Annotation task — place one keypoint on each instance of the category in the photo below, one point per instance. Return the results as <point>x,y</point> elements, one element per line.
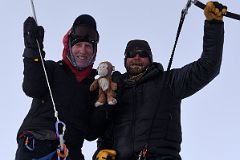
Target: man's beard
<point>134,68</point>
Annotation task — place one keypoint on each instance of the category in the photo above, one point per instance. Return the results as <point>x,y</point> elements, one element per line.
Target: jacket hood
<point>65,45</point>
<point>80,75</point>
<point>159,66</point>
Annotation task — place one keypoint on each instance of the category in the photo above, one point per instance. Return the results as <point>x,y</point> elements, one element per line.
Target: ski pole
<point>227,14</point>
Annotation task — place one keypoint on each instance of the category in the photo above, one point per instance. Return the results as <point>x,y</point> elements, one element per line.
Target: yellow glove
<point>214,11</point>
<point>106,154</point>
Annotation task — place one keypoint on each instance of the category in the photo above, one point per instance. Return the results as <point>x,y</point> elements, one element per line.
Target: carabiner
<point>29,143</point>
<point>60,136</point>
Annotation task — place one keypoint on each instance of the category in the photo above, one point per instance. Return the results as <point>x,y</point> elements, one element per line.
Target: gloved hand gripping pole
<point>227,14</point>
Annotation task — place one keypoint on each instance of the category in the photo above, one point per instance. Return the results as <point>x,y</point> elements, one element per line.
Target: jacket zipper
<point>134,117</point>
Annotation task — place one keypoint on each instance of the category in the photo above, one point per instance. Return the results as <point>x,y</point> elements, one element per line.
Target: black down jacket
<point>148,110</point>
<point>74,102</point>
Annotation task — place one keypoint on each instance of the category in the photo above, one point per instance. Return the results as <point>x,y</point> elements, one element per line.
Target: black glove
<point>118,78</point>
<point>32,32</point>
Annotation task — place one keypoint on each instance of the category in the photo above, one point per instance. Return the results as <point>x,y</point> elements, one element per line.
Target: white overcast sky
<point>210,118</point>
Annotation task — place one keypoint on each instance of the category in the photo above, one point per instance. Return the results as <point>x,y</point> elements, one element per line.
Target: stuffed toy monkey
<point>105,85</point>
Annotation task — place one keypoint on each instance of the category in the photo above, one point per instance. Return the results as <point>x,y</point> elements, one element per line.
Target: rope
<point>47,79</point>
<point>60,136</point>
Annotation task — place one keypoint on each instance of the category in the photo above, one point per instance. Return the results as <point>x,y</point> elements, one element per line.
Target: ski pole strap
<point>227,14</point>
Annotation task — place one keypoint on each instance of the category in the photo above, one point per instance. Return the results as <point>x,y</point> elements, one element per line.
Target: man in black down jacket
<point>69,80</point>
<point>147,120</point>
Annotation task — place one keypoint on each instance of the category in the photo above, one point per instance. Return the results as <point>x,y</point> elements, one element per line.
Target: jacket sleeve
<point>194,76</point>
<point>105,141</point>
<point>34,80</point>
<point>99,118</point>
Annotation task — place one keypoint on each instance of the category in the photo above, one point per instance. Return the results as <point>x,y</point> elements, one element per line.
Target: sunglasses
<point>141,53</point>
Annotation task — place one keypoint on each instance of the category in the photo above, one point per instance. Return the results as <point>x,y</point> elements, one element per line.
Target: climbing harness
<point>29,143</point>
<point>62,151</point>
<point>143,153</point>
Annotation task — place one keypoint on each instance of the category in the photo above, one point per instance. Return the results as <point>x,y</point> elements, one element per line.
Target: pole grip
<point>227,14</point>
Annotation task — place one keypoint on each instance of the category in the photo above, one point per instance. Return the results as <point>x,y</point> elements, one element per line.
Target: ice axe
<point>184,13</point>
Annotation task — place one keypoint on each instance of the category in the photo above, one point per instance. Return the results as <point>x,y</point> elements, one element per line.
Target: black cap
<point>85,19</point>
<point>84,28</point>
<point>137,44</point>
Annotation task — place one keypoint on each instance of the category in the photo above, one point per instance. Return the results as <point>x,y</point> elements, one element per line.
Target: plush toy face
<point>105,69</point>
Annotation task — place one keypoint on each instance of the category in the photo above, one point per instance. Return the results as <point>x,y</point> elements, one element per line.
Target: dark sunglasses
<point>141,53</point>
